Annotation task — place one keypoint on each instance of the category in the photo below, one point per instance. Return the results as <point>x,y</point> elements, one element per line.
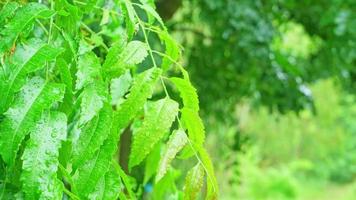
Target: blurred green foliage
<point>290,156</point>
<point>240,48</point>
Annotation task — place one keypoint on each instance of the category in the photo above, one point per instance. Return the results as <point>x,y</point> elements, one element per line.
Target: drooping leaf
<point>176,142</point>
<point>158,119</point>
<point>211,182</point>
<point>190,112</point>
<point>36,96</point>
<point>27,58</point>
<point>40,158</point>
<point>194,182</point>
<point>141,89</point>
<point>187,92</point>
<point>109,187</point>
<point>194,125</point>
<point>92,136</point>
<point>22,19</point>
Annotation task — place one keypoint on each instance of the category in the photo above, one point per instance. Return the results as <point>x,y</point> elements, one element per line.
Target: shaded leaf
<point>194,182</point>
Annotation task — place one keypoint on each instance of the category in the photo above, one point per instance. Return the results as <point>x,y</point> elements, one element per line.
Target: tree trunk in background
<point>167,8</point>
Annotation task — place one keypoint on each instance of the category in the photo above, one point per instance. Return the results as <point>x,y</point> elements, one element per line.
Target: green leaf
<point>8,11</point>
<point>36,96</point>
<point>40,158</point>
<point>92,136</point>
<point>151,12</point>
<point>119,87</point>
<point>27,58</point>
<point>176,142</point>
<point>194,125</point>
<point>158,119</point>
<point>113,56</point>
<point>125,179</point>
<point>91,102</point>
<point>22,19</point>
<point>152,162</point>
<point>133,53</point>
<point>88,175</point>
<point>129,13</point>
<point>172,50</point>
<point>187,92</point>
<point>109,187</point>
<point>141,89</point>
<point>66,78</point>
<point>212,184</point>
<point>194,182</point>
<point>88,70</point>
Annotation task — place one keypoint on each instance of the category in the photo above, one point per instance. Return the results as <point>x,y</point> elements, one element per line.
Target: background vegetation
<point>276,81</point>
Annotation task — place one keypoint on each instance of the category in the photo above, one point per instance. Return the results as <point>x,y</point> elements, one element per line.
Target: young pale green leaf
<point>194,182</point>
<point>88,70</point>
<point>27,58</point>
<point>36,96</point>
<point>92,136</point>
<point>22,19</point>
<point>158,119</point>
<point>91,102</point>
<point>212,184</point>
<point>134,53</point>
<point>141,89</point>
<point>40,158</point>
<point>129,13</point>
<point>176,142</point>
<point>109,186</point>
<point>119,87</point>
<point>88,175</point>
<point>8,11</point>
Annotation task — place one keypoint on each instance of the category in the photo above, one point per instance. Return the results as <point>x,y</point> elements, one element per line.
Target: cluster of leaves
<point>67,97</point>
<point>240,38</point>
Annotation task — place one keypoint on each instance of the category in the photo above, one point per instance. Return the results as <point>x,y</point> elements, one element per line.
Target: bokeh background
<point>277,85</point>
